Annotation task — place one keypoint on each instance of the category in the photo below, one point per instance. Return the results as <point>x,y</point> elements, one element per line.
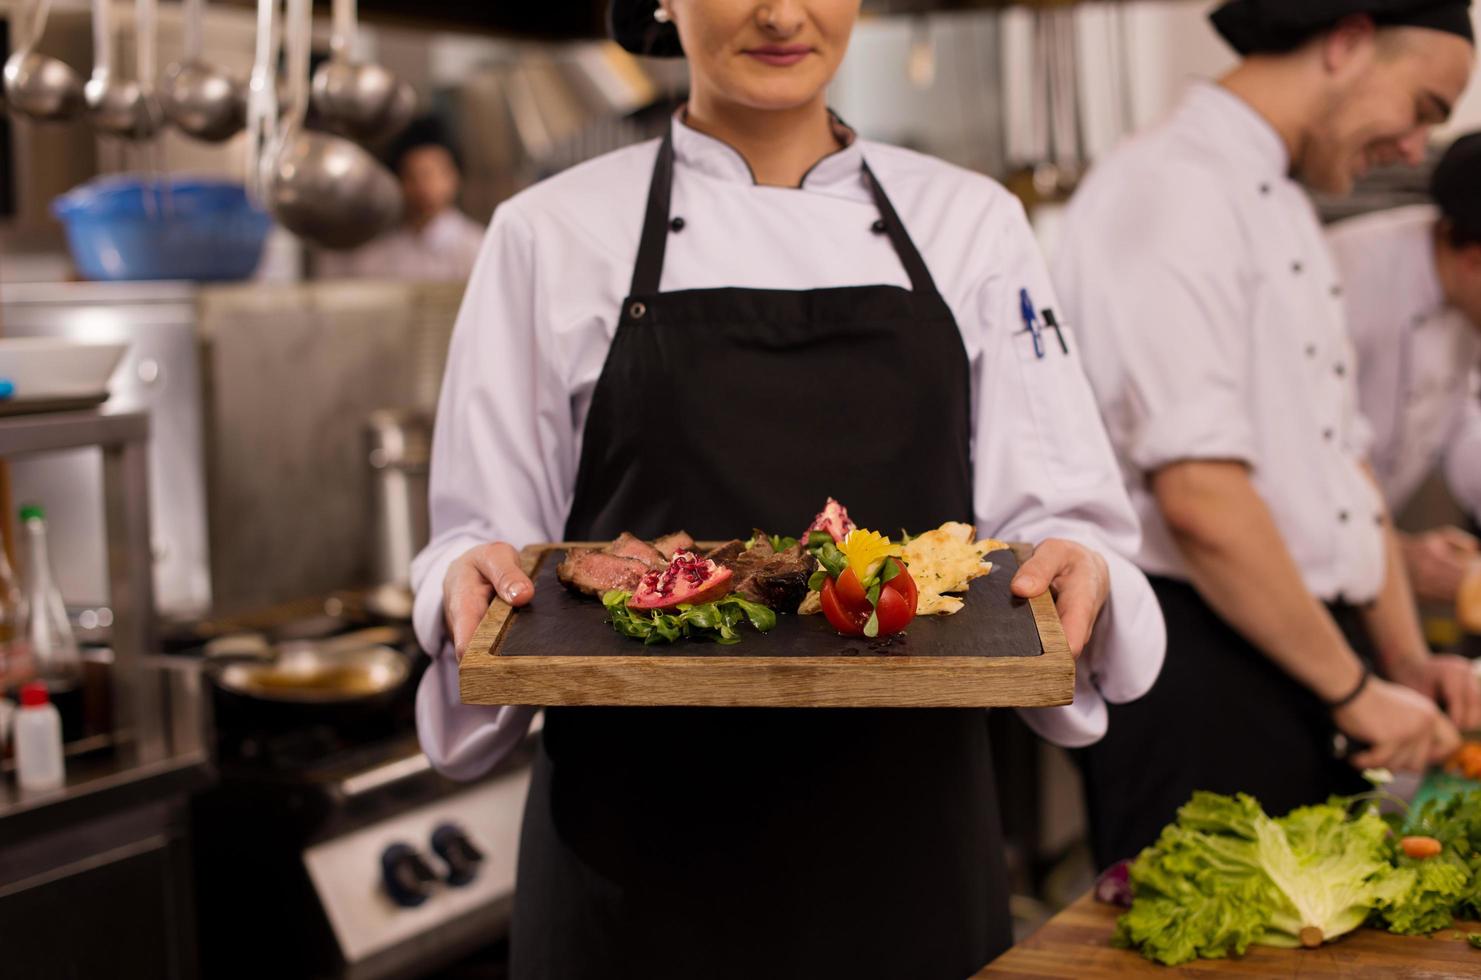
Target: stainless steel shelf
<point>124,441</point>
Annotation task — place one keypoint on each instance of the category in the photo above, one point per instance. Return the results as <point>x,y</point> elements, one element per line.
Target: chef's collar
<point>1246,137</point>
<point>837,173</point>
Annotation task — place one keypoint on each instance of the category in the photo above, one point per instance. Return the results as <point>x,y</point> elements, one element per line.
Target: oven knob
<point>451,843</point>
<point>407,876</point>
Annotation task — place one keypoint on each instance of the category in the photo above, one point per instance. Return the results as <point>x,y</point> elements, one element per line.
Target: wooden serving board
<point>998,651</point>
<point>1076,943</point>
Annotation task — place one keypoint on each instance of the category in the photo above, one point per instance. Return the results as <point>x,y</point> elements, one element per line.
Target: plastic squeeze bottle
<point>38,740</point>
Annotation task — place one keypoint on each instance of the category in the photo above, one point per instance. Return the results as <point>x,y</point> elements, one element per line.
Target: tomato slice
<point>850,593</point>
<point>846,622</point>
<point>894,611</point>
<point>905,585</point>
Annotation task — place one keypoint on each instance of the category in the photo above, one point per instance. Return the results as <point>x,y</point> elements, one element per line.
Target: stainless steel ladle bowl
<point>321,187</point>
<point>364,101</point>
<point>200,99</point>
<point>38,85</point>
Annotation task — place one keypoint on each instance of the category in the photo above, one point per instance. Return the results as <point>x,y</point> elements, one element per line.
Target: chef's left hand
<point>1079,579</point>
<point>1448,680</point>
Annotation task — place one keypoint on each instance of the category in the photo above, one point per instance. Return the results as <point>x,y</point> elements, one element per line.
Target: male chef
<point>1196,273</point>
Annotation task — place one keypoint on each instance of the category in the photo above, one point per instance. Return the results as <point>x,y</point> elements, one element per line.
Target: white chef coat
<point>442,251</point>
<point>1199,281</point>
<point>1417,355</point>
<point>542,307</point>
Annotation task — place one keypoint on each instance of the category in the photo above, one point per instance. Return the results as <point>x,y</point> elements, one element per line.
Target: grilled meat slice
<point>727,553</point>
<point>670,543</point>
<point>629,546</point>
<point>597,572</point>
<point>774,579</point>
<point>761,542</point>
<point>778,580</point>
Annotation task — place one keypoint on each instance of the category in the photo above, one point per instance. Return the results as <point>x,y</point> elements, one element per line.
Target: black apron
<point>738,842</point>
<point>1222,717</point>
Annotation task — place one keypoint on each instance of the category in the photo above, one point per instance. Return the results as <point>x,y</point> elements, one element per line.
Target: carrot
<point>1420,847</point>
<point>1466,760</point>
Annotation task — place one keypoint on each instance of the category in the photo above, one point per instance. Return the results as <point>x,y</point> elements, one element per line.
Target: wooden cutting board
<point>1077,943</point>
<point>998,651</point>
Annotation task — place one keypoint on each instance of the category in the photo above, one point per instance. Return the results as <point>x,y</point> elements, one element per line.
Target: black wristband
<point>1361,686</point>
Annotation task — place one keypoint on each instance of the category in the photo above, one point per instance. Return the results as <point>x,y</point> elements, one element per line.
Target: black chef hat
<point>632,26</point>
<point>422,131</point>
<point>1272,26</point>
<point>1456,188</point>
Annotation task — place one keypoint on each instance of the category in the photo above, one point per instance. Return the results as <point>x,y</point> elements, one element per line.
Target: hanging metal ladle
<point>365,102</point>
<point>122,107</point>
<point>200,99</point>
<point>39,85</point>
<point>320,187</point>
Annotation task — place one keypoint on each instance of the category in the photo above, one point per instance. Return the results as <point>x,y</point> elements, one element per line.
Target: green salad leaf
<point>719,621</point>
<point>1227,875</point>
<point>1456,823</point>
<point>1474,938</point>
<point>1434,887</point>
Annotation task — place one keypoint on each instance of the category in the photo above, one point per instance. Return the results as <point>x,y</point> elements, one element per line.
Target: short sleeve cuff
<point>1205,429</point>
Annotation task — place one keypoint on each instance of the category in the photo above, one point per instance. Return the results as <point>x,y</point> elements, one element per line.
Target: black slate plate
<point>993,623</point>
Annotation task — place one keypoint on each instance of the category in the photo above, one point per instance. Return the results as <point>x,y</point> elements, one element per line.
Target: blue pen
<point>1031,322</point>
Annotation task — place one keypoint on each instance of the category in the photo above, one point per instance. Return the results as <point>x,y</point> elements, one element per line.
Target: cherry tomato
<point>905,585</point>
<point>847,622</point>
<point>850,593</point>
<point>893,611</point>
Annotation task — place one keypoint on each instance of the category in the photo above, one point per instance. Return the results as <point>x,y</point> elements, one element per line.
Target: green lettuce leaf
<point>717,621</point>
<point>1226,875</point>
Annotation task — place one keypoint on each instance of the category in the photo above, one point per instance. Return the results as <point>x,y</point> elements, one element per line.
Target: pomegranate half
<point>688,578</point>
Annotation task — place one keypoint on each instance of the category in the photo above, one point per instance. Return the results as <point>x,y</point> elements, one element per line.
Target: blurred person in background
<point>1197,274</point>
<point>1412,287</point>
<point>435,241</point>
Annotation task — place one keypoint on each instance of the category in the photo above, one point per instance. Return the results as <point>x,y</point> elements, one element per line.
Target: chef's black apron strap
<point>915,266</point>
<point>648,270</point>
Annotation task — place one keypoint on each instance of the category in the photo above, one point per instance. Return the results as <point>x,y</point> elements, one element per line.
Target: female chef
<point>721,329</point>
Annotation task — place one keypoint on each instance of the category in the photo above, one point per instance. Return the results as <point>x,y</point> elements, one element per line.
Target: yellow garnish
<point>866,551</point>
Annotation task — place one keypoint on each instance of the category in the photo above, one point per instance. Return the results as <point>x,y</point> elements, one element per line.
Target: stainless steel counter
<point>131,774</point>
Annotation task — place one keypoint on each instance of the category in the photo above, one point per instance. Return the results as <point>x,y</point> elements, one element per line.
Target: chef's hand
<point>1079,579</point>
<point>1448,679</point>
<point>470,584</point>
<point>1437,561</point>
<point>1401,727</point>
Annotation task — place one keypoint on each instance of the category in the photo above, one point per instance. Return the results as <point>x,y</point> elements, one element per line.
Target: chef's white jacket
<point>443,251</point>
<point>539,317</point>
<point>1198,280</point>
<point>1417,355</point>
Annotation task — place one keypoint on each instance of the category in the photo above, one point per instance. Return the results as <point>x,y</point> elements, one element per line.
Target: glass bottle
<point>14,667</point>
<point>45,634</point>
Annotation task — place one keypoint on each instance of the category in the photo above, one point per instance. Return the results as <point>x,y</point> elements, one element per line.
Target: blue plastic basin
<point>181,228</point>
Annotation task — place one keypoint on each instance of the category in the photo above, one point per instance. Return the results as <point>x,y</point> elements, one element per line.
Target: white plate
<point>56,367</point>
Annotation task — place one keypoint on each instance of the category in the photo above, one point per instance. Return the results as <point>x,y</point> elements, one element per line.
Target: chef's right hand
<point>1401,728</point>
<point>470,584</point>
<point>1437,561</point>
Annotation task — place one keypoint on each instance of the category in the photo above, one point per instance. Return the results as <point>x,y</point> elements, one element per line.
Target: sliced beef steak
<point>774,579</point>
<point>670,543</point>
<point>597,572</point>
<point>628,546</point>
<point>779,580</point>
<point>727,553</point>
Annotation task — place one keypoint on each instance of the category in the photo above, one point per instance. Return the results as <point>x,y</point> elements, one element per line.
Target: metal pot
<point>346,676</point>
